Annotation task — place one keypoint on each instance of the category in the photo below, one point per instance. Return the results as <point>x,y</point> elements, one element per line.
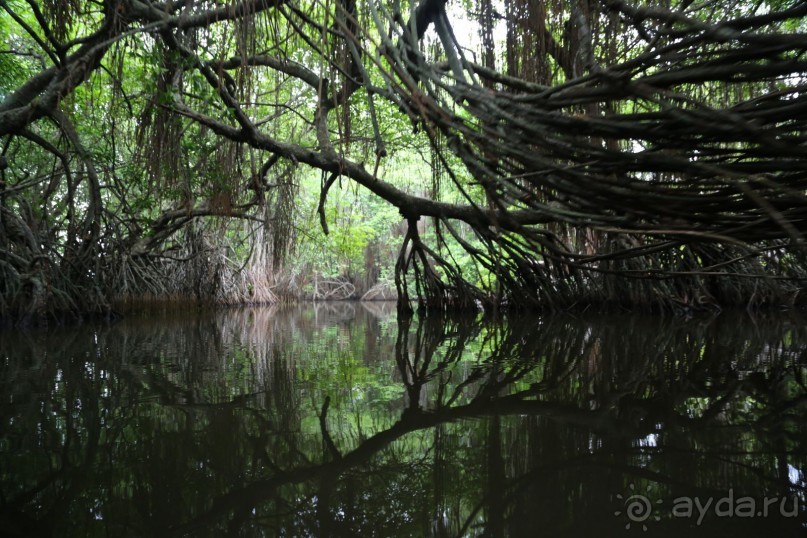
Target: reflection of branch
<point>411,421</point>
<point>326,436</point>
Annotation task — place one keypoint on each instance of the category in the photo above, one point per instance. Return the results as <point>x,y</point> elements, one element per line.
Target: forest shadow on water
<point>342,420</point>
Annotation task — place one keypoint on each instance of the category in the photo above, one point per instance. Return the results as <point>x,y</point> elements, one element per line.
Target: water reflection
<point>344,421</point>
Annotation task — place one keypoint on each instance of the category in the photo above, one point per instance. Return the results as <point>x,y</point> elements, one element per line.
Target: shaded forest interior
<point>540,154</point>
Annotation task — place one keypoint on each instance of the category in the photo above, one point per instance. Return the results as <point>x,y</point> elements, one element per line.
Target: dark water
<point>343,421</point>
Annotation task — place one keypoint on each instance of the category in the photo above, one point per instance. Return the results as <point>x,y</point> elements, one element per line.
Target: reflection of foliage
<point>439,426</point>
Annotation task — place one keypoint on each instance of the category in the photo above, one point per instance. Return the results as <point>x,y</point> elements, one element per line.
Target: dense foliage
<point>524,153</point>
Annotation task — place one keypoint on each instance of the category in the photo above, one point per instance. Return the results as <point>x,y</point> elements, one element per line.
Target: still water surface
<point>341,420</point>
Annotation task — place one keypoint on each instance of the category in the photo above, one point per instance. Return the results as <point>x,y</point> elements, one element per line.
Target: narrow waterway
<point>341,420</point>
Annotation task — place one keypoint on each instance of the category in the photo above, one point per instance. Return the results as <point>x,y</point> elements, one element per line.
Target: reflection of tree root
<point>383,291</point>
